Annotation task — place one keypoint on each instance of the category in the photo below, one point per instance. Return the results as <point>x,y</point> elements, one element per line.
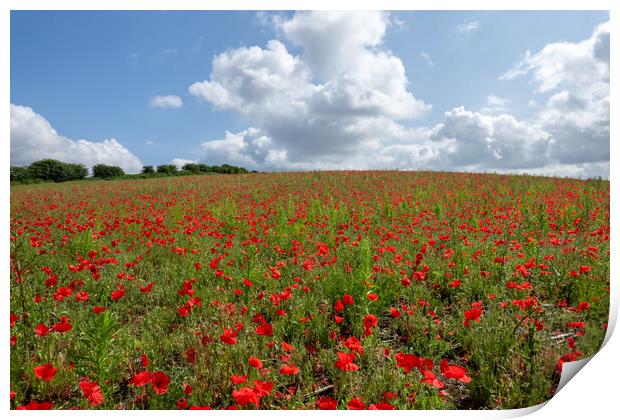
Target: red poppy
<point>45,372</point>
<point>34,405</point>
<point>245,396</point>
<point>141,378</point>
<point>255,362</point>
<point>407,361</point>
<point>92,392</point>
<point>327,403</point>
<point>42,330</point>
<point>289,370</point>
<point>229,336</point>
<point>345,362</point>
<point>160,382</point>
<point>348,299</point>
<point>381,406</point>
<point>237,379</point>
<point>264,329</point>
<point>356,403</point>
<point>472,315</point>
<point>263,389</point>
<point>453,371</point>
<point>63,325</point>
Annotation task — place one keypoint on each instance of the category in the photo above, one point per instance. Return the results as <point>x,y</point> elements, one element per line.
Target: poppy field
<point>315,290</point>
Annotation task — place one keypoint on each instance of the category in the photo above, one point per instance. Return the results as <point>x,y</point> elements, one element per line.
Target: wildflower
<point>45,372</point>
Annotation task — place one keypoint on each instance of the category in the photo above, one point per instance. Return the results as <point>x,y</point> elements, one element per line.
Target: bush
<point>54,170</point>
<point>148,169</point>
<point>106,171</point>
<point>167,169</point>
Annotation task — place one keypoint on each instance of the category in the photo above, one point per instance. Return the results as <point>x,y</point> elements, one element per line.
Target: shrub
<point>106,171</point>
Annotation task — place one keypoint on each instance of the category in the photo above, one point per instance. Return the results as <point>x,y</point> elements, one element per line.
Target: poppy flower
<point>255,362</point>
<point>160,382</point>
<point>381,406</point>
<point>345,362</point>
<point>181,403</point>
<point>431,379</point>
<point>289,370</point>
<point>348,299</point>
<point>327,403</point>
<point>92,392</point>
<point>407,362</point>
<point>45,372</point>
<point>453,371</point>
<point>98,309</point>
<point>356,403</point>
<point>472,315</point>
<point>245,396</point>
<point>63,325</point>
<point>237,379</point>
<point>262,389</point>
<point>42,330</point>
<point>141,378</point>
<point>229,336</point>
<point>34,405</point>
<point>264,329</point>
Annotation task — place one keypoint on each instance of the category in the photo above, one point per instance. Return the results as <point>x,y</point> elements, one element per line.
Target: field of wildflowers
<point>317,290</point>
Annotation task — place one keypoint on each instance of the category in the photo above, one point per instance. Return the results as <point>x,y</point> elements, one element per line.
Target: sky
<point>517,92</point>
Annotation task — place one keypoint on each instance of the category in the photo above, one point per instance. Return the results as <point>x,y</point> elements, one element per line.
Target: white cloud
<point>166,101</point>
<point>575,78</point>
<point>33,138</point>
<point>179,162</point>
<point>251,148</point>
<point>343,100</point>
<point>345,92</point>
<point>468,27</point>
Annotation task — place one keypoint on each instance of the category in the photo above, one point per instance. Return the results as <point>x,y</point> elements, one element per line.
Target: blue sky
<point>93,76</point>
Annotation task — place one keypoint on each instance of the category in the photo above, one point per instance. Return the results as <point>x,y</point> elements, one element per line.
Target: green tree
<point>148,169</point>
<point>106,171</point>
<point>167,169</point>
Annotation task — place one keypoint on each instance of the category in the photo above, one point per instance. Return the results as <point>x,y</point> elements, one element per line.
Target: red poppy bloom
<point>453,371</point>
<point>45,372</point>
<point>237,379</point>
<point>263,389</point>
<point>141,378</point>
<point>289,370</point>
<point>160,382</point>
<point>356,403</point>
<point>327,403</point>
<point>381,406</point>
<point>92,392</point>
<point>472,315</point>
<point>264,329</point>
<point>345,362</point>
<point>407,361</point>
<point>34,405</point>
<point>255,362</point>
<point>63,325</point>
<point>42,330</point>
<point>348,299</point>
<point>229,336</point>
<point>245,396</point>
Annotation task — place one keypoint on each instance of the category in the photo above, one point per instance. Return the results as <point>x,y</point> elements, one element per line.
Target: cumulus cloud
<point>344,101</point>
<point>166,101</point>
<point>343,93</point>
<point>33,138</point>
<point>575,78</point>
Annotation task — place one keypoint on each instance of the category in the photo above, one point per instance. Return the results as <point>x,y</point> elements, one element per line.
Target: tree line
<point>51,170</point>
